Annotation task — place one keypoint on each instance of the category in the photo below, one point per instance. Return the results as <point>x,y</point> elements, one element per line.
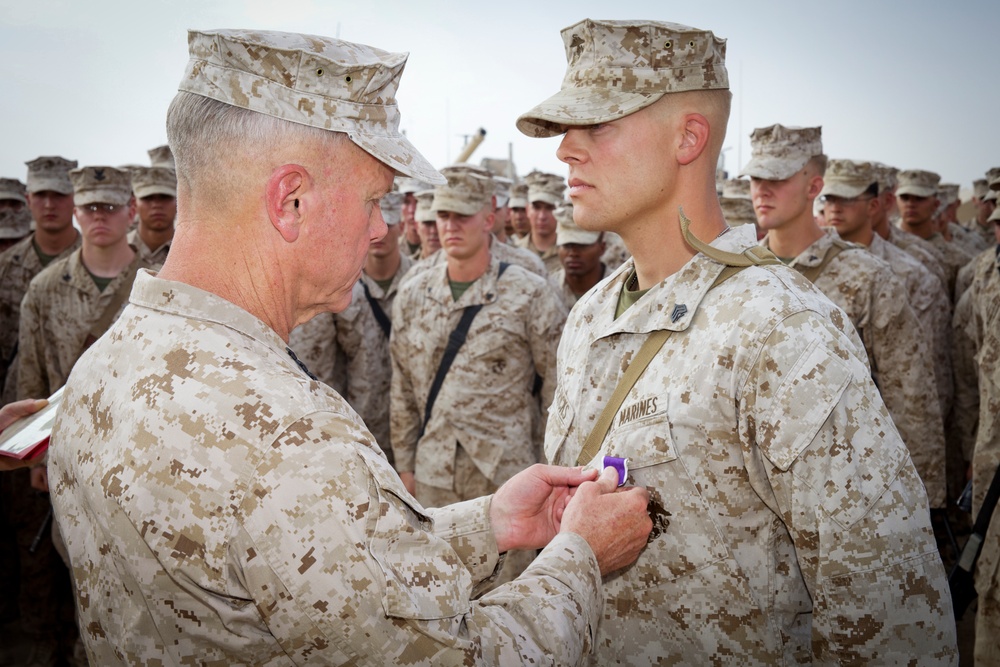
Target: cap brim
<point>581,106</point>
<point>63,187</point>
<point>151,190</point>
<point>401,156</point>
<point>772,168</point>
<point>839,189</point>
<point>915,190</point>
<point>101,196</point>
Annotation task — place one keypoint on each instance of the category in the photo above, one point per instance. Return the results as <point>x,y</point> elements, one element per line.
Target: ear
<point>286,201</point>
<point>131,207</point>
<point>815,186</point>
<point>874,204</point>
<point>695,131</point>
<point>490,219</point>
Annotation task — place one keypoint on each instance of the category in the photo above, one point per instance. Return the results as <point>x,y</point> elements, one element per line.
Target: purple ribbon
<point>621,465</point>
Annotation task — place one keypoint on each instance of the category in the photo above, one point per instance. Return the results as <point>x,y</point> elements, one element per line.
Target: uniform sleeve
<point>548,316</point>
<point>404,409</point>
<point>966,405</point>
<point>849,496</point>
<point>343,568</point>
<point>32,379</point>
<point>903,365</point>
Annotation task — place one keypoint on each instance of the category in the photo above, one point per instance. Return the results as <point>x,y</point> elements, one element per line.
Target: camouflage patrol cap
<point>321,82</point>
<point>11,188</point>
<point>392,207</point>
<point>778,152</point>
<point>408,186</point>
<point>501,190</point>
<point>736,188</point>
<point>885,175</point>
<point>980,187</point>
<point>543,187</point>
<point>566,230</point>
<point>50,173</point>
<point>993,183</point>
<point>615,68</point>
<point>917,182</point>
<point>101,185</point>
<point>847,178</point>
<point>948,193</point>
<point>737,211</point>
<point>425,206</point>
<point>518,195</point>
<point>149,181</point>
<point>468,190</point>
<point>161,156</point>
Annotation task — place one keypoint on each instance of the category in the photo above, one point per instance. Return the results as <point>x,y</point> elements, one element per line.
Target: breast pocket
<point>557,430</point>
<point>686,539</point>
<point>424,577</point>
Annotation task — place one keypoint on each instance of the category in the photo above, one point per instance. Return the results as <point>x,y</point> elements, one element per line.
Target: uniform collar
<point>670,304</point>
<point>815,253</point>
<point>482,291</point>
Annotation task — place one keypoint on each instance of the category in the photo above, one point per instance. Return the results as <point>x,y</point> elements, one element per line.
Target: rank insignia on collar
<point>680,310</point>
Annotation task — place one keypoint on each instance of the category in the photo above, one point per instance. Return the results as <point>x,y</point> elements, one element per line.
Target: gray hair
<point>205,134</point>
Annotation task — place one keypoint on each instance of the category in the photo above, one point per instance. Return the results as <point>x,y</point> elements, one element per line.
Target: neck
<point>467,269</point>
<point>881,227</point>
<point>154,240</point>
<point>196,258</point>
<point>655,240</point>
<point>579,285</point>
<point>543,243</point>
<point>53,243</point>
<point>924,229</point>
<point>107,261</point>
<point>791,239</point>
<point>862,235</point>
<point>501,235</point>
<point>383,268</point>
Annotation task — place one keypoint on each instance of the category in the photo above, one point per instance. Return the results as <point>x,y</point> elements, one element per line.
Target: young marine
<point>793,527</point>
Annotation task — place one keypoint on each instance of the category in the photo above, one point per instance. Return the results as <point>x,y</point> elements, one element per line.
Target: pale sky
<point>910,83</point>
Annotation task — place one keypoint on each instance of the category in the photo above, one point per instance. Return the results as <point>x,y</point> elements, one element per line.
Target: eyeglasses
<point>843,201</point>
<point>103,208</point>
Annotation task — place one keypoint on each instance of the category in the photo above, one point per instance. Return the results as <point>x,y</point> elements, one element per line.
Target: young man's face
<point>779,203</point>
<point>52,211</point>
<point>105,225</point>
<point>620,172</point>
<point>157,212</point>
<point>430,242</point>
<point>541,216</point>
<point>914,210</point>
<point>850,216</point>
<point>519,220</point>
<point>580,259</point>
<point>463,236</point>
<point>984,208</point>
<point>388,245</point>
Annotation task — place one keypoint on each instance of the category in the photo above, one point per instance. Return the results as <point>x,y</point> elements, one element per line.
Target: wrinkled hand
<point>9,414</point>
<point>614,522</point>
<point>527,510</point>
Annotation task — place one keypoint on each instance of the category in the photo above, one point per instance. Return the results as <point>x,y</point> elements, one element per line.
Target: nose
<point>379,228</point>
<point>569,148</point>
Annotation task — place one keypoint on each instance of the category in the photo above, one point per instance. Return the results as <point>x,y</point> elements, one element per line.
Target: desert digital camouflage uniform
<point>814,538</point>
<point>152,259</point>
<point>923,251</point>
<point>279,535</point>
<point>485,408</point>
<point>954,256</point>
<point>18,265</point>
<point>898,349</point>
<point>61,306</point>
<point>550,257</point>
<point>314,343</point>
<point>983,327</point>
<point>558,282</point>
<point>504,252</point>
<point>968,241</point>
<point>366,348</point>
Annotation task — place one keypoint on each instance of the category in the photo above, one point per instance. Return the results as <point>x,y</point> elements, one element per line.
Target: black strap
<point>380,316</point>
<point>456,339</point>
<point>961,581</point>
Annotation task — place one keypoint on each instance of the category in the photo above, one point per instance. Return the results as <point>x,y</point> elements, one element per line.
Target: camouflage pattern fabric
<point>18,265</point>
<point>923,251</point>
<point>219,506</point>
<point>970,242</point>
<point>954,259</point>
<point>615,252</point>
<point>899,352</point>
<point>557,280</point>
<point>153,259</point>
<point>60,308</point>
<point>503,252</point>
<point>314,343</point>
<point>550,257</point>
<point>486,401</point>
<point>793,526</point>
<point>366,347</point>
